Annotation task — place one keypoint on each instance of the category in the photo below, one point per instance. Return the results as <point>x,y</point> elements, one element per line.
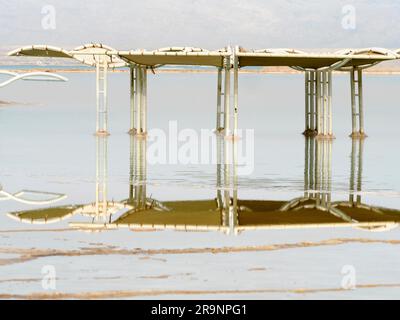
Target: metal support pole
<point>235,94</point>
<point>318,102</point>
<point>330,131</point>
<point>307,111</point>
<point>97,97</point>
<point>357,107</point>
<point>138,99</point>
<point>227,96</point>
<point>219,99</point>
<point>324,104</point>
<point>360,103</point>
<point>101,96</point>
<point>312,102</point>
<point>353,103</point>
<point>144,101</point>
<point>105,98</point>
<point>133,72</point>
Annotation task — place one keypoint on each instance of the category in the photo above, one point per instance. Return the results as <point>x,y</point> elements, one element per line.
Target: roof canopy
<point>87,54</point>
<point>176,56</point>
<point>90,53</point>
<point>299,59</point>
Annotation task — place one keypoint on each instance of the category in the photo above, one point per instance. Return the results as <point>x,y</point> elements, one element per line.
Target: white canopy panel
<point>176,56</point>
<point>296,58</point>
<point>90,53</point>
<point>87,54</point>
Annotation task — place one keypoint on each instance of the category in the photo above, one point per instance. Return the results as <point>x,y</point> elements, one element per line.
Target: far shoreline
<point>16,68</point>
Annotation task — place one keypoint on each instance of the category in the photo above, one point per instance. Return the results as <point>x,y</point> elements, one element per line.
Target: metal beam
<point>227,92</point>
<point>139,89</point>
<point>307,112</point>
<point>133,91</point>
<point>219,100</point>
<point>324,104</point>
<point>235,93</point>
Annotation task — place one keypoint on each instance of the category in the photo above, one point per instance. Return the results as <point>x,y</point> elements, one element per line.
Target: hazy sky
<point>127,24</point>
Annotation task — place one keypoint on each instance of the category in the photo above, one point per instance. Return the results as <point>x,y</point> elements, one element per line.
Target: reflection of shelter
<point>42,198</point>
<point>227,212</point>
<point>99,210</point>
<point>37,197</point>
<point>185,215</point>
<point>44,216</point>
<point>149,213</point>
<point>315,208</point>
<point>230,214</point>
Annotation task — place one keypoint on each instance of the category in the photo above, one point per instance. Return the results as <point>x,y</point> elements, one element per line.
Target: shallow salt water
<point>47,144</point>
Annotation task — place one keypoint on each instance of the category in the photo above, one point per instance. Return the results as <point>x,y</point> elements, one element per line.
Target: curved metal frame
<point>379,51</point>
<point>27,76</point>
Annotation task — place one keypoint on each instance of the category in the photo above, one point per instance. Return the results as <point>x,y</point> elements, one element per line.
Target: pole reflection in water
<point>317,176</point>
<point>357,149</point>
<point>103,209</point>
<point>101,203</point>
<point>227,182</point>
<point>137,172</point>
<point>317,180</point>
<point>137,198</point>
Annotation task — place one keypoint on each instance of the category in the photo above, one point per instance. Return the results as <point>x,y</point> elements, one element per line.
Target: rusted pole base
<point>310,133</point>
<point>358,135</point>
